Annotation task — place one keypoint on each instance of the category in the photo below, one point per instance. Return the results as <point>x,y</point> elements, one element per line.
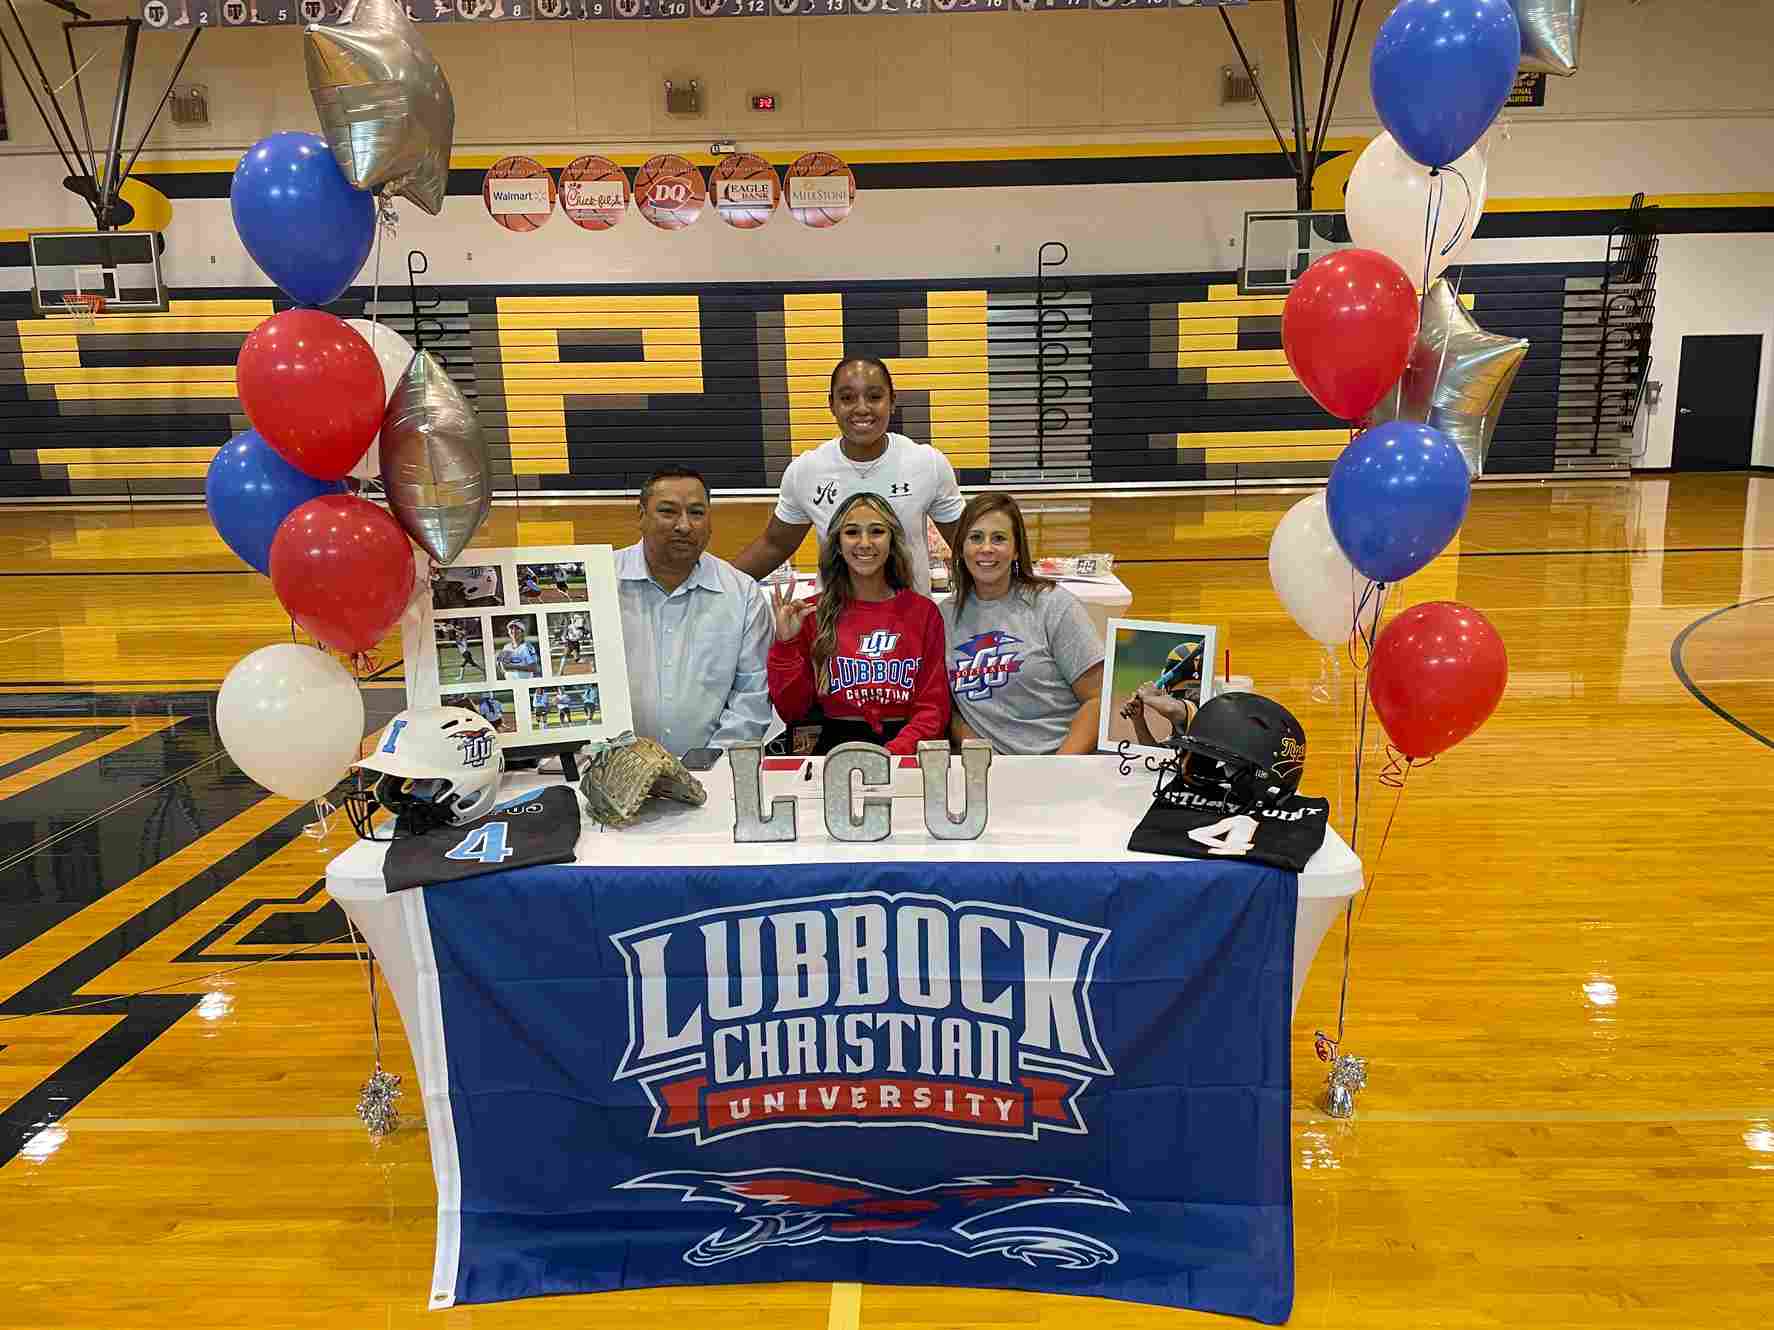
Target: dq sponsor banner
<point>1038,1077</point>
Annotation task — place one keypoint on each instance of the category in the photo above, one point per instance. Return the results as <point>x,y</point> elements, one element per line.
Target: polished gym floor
<point>1560,970</point>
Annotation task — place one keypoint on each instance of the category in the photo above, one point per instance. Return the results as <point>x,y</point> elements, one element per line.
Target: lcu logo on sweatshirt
<point>878,642</point>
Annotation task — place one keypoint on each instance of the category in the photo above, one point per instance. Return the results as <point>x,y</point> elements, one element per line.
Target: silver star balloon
<point>1457,376</point>
<point>383,101</point>
<point>434,461</point>
<point>1550,32</point>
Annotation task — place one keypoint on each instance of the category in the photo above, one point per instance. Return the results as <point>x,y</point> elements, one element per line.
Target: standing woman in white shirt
<point>915,478</point>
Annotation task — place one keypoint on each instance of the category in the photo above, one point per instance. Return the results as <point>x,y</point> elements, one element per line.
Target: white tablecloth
<point>1053,809</point>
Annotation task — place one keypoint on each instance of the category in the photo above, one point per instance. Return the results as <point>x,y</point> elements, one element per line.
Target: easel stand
<point>530,756</point>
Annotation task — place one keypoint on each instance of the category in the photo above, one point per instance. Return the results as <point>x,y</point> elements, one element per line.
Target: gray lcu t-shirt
<point>1012,663</point>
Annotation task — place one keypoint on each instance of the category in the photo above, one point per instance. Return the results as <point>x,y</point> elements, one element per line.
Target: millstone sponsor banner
<point>1041,1076</point>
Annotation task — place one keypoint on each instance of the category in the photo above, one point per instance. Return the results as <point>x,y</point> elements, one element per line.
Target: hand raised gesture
<point>788,612</point>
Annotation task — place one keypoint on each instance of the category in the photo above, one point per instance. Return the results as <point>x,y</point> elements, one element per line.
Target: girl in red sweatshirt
<point>868,649</point>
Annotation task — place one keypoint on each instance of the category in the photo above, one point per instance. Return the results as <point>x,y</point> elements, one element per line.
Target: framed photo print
<point>529,638</point>
<point>1154,677</point>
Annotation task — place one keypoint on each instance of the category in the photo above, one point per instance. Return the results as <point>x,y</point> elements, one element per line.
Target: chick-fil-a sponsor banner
<point>594,192</point>
<point>1061,1077</point>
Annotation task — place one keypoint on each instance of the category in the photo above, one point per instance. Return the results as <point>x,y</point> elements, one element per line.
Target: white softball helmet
<point>435,766</point>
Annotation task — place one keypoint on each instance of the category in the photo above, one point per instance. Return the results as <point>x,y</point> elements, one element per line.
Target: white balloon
<point>292,718</point>
<point>1388,203</point>
<point>394,353</point>
<point>1317,584</point>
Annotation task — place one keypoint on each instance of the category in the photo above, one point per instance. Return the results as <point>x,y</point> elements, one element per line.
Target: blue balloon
<point>250,490</point>
<point>1441,71</point>
<point>299,217</point>
<point>1396,497</point>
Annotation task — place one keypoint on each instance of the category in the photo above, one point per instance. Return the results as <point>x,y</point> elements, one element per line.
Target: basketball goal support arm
<point>102,200</point>
<point>1308,136</point>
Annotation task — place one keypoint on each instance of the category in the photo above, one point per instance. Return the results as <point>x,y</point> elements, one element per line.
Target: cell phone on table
<point>702,759</point>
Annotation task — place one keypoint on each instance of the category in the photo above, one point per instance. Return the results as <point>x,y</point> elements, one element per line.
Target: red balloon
<point>343,569</point>
<point>1437,673</point>
<point>313,390</point>
<point>1347,328</point>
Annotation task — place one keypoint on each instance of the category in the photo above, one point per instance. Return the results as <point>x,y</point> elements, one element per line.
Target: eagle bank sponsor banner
<point>746,190</point>
<point>1040,1078</point>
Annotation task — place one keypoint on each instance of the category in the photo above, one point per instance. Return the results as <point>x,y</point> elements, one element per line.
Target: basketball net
<point>83,309</point>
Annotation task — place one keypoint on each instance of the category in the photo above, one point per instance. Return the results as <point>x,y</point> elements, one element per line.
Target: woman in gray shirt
<point>1025,663</point>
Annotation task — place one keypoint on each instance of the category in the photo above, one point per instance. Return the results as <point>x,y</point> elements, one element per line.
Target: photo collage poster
<point>529,639</point>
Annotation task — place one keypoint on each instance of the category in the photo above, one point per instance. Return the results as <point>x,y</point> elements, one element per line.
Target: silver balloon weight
<point>1457,376</point>
<point>434,461</point>
<point>384,103</point>
<point>1550,33</point>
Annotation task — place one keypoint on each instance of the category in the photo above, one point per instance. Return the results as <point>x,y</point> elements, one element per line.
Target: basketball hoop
<point>83,309</point>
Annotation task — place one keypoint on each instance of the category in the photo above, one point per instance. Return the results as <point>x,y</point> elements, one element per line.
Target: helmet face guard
<point>414,804</point>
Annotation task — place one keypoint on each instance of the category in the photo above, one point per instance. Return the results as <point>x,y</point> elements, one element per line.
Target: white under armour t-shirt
<point>914,477</point>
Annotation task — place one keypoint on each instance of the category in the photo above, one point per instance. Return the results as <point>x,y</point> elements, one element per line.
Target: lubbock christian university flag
<point>1062,1077</point>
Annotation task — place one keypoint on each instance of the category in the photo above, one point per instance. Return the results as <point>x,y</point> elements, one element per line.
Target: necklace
<point>863,469</point>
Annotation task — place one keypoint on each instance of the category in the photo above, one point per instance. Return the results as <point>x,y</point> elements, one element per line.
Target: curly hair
<point>834,578</point>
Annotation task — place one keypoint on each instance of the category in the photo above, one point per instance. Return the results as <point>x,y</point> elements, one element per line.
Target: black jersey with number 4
<point>541,827</point>
<point>1197,827</point>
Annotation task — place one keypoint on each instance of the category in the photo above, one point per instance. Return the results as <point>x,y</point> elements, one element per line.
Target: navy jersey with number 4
<point>541,827</point>
<point>1196,827</point>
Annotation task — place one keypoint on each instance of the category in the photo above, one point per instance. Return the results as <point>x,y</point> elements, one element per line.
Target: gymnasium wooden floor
<point>1561,975</point>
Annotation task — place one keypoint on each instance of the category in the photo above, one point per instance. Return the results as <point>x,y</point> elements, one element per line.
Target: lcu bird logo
<point>791,1208</point>
<point>877,642</point>
<point>983,664</point>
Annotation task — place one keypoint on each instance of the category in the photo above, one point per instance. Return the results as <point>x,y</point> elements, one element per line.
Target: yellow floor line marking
<point>846,1312</point>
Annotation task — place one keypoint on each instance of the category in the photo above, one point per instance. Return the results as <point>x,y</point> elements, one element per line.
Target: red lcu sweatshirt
<point>888,664</point>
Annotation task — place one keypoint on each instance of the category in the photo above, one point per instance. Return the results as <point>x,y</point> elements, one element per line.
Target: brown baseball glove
<point>623,774</point>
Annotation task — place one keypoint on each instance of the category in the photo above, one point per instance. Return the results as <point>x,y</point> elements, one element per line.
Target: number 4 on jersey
<point>485,845</point>
<point>1230,835</point>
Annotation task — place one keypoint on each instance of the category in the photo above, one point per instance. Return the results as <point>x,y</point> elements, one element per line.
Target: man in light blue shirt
<point>695,629</point>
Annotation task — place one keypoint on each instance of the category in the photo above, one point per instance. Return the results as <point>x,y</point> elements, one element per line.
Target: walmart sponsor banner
<point>1058,1077</point>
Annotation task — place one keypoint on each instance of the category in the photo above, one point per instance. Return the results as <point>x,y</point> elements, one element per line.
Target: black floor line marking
<point>1681,672</point>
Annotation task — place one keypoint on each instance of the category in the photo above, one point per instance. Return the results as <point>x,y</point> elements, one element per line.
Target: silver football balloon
<point>383,101</point>
<point>1457,376</point>
<point>434,461</point>
<point>1550,32</point>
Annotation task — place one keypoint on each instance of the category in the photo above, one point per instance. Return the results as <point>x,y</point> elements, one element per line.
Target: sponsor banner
<point>669,191</point>
<point>594,192</point>
<point>746,190</point>
<point>821,190</point>
<point>519,193</point>
<point>182,14</point>
<point>1032,1077</point>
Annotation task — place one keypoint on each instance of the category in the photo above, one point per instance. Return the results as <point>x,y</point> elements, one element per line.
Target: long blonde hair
<point>834,578</point>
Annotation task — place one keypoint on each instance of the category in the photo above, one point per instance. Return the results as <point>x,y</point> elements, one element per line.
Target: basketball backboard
<point>121,267</point>
<point>1279,246</point>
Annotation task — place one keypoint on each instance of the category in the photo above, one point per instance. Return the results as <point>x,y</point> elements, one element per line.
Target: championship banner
<point>1037,1078</point>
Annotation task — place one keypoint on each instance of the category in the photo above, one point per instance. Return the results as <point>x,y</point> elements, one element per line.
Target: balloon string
<point>1398,771</point>
<point>1431,219</point>
<point>1447,333</point>
<point>1459,231</point>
